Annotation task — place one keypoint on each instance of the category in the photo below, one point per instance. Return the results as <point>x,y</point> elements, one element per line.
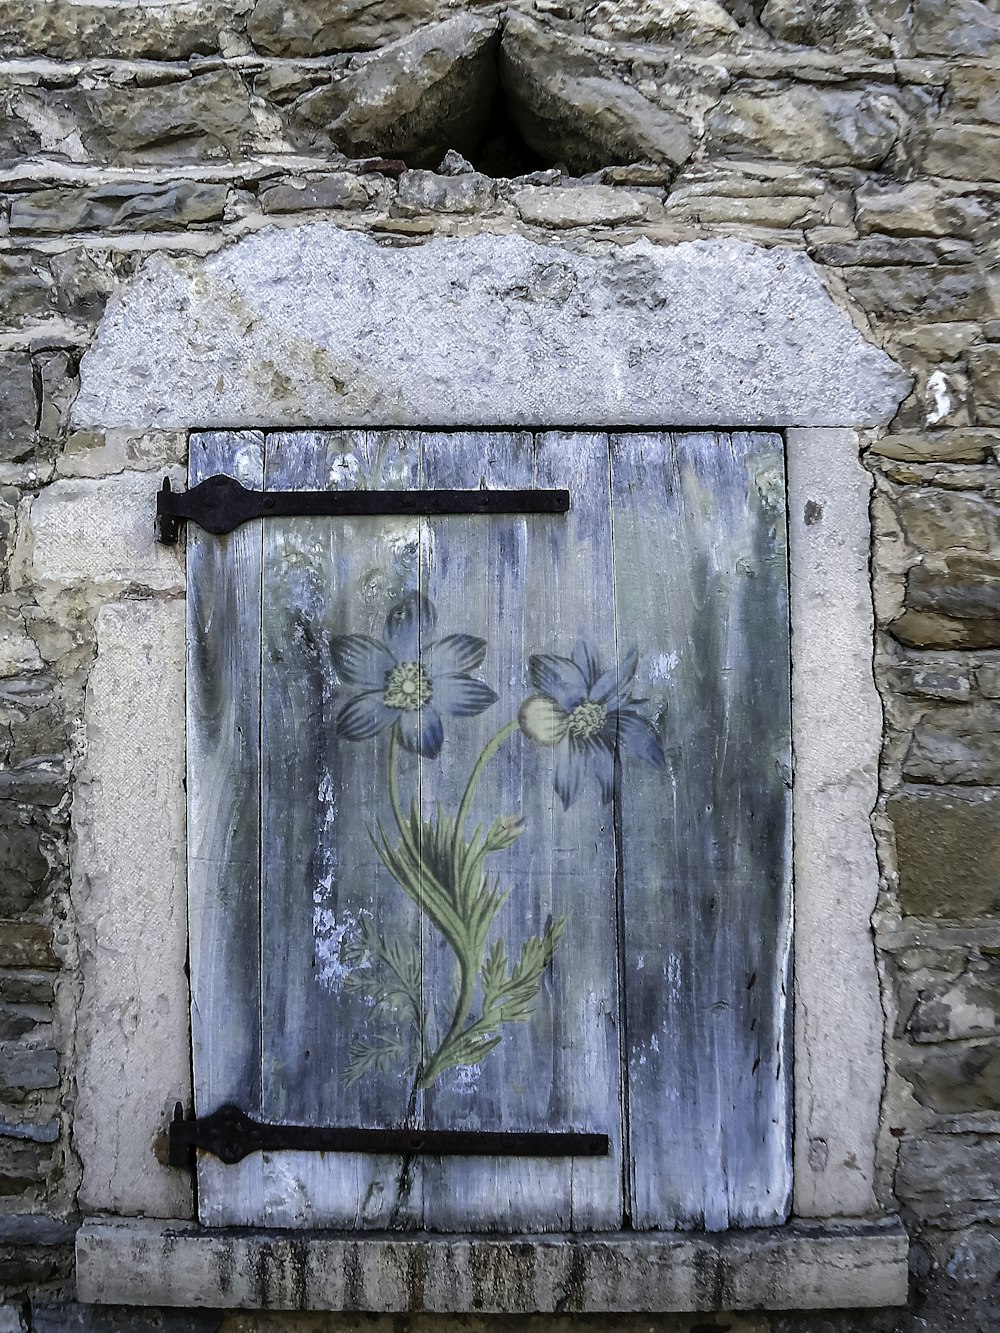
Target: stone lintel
<point>315,326</point>
<point>142,1262</point>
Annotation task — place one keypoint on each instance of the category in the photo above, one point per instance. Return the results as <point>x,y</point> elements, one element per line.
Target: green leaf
<point>375,1056</point>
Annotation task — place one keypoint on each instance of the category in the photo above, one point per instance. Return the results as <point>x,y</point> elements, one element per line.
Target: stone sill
<point>127,1261</point>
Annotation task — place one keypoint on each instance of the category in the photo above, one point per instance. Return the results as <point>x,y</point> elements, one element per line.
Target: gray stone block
<point>569,109</point>
<point>341,189</point>
<point>18,406</point>
<point>959,1077</point>
<point>959,744</point>
<point>29,1069</point>
<point>793,1267</point>
<point>803,123</point>
<point>937,520</point>
<point>203,118</point>
<point>23,944</point>
<point>77,29</point>
<point>130,207</point>
<point>30,1132</point>
<point>25,864</point>
<point>709,332</point>
<point>425,191</point>
<point>303,28</point>
<point>413,99</point>
<point>948,852</point>
<point>951,1179</point>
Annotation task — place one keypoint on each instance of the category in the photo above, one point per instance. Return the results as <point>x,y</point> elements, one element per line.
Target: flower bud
<point>542,720</point>
<point>504,832</point>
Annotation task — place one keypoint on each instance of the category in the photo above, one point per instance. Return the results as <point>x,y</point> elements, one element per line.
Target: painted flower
<point>585,712</point>
<point>408,682</point>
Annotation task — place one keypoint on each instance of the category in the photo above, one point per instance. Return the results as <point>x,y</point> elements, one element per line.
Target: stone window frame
<point>743,338</point>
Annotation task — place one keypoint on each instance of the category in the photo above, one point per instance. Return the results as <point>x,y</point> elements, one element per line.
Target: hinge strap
<point>219,504</point>
<point>230,1134</point>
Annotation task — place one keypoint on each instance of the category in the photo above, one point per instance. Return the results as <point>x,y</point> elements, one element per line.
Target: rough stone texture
<point>117,208</point>
<point>195,119</point>
<point>926,292</point>
<point>658,334</point>
<point>960,745</point>
<point>737,1270</point>
<point>303,28</point>
<point>951,1179</point>
<point>424,191</point>
<point>71,29</point>
<point>837,1013</point>
<point>984,370</point>
<point>175,126</point>
<point>948,849</point>
<point>698,22</point>
<point>957,1077</point>
<point>101,532</point>
<point>338,190</point>
<point>953,604</point>
<point>568,110</point>
<point>920,208</point>
<point>23,944</point>
<point>838,23</point>
<point>18,406</point>
<point>415,98</point>
<point>832,127</point>
<point>598,206</point>
<point>963,152</point>
<point>128,876</point>
<point>934,520</point>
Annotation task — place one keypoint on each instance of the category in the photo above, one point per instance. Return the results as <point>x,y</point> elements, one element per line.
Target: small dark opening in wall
<point>502,150</point>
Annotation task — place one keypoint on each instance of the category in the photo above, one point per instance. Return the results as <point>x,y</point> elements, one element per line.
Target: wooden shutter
<point>660,1018</point>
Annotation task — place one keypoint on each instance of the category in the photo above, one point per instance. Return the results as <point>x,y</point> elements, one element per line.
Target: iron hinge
<point>220,504</point>
<point>230,1134</point>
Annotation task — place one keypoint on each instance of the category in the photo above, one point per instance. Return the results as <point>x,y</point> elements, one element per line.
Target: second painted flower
<point>585,713</point>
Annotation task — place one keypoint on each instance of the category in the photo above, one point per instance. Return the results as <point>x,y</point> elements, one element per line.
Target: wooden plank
<point>223,724</point>
<point>476,580</point>
<point>323,795</point>
<point>702,591</point>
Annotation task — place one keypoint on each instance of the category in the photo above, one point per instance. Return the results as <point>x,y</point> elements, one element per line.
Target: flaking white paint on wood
<point>682,557</point>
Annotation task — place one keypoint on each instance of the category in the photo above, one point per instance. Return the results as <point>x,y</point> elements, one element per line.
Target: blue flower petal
<point>637,737</point>
<point>585,659</point>
<point>461,696</point>
<point>408,623</point>
<point>569,772</point>
<point>615,683</point>
<point>453,654</point>
<point>360,660</point>
<point>420,731</point>
<point>363,716</point>
<point>600,757</point>
<point>559,678</point>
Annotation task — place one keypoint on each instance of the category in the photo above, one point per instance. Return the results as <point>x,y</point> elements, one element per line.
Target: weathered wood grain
<point>662,1019</point>
<point>701,589</point>
<point>322,796</point>
<point>476,578</point>
<point>569,598</point>
<point>223,792</point>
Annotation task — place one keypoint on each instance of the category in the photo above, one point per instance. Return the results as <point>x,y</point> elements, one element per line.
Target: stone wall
<point>863,132</point>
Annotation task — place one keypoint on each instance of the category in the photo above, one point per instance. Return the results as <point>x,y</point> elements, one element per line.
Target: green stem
<point>467,987</point>
<point>488,752</point>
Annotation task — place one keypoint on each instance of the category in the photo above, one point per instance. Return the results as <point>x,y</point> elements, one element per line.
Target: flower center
<point>586,719</point>
<point>407,686</point>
